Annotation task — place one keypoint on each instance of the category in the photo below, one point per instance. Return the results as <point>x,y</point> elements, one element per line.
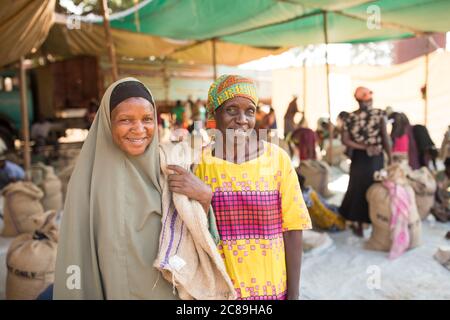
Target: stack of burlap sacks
<point>317,175</point>
<point>65,166</point>
<point>420,186</point>
<point>30,214</point>
<point>424,186</point>
<point>45,178</point>
<point>337,154</point>
<point>31,261</point>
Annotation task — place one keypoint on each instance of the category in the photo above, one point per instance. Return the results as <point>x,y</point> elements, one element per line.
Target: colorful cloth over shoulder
<point>254,203</point>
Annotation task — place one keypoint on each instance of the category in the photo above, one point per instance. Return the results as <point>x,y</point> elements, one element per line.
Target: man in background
<point>9,172</point>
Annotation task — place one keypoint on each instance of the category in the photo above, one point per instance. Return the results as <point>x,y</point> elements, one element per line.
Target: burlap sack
<point>22,209</point>
<point>424,185</point>
<point>196,268</point>
<point>399,157</point>
<point>66,158</point>
<point>337,152</point>
<point>380,213</point>
<point>31,261</point>
<point>442,255</point>
<point>44,177</point>
<point>316,175</point>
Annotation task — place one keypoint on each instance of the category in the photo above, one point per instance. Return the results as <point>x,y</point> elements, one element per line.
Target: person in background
<point>365,132</point>
<point>259,116</point>
<point>9,172</point>
<point>269,121</point>
<point>441,209</point>
<point>403,142</point>
<point>289,122</point>
<point>40,131</point>
<point>389,110</point>
<point>341,118</point>
<point>323,214</point>
<point>91,112</point>
<point>304,139</point>
<point>188,106</point>
<point>426,147</point>
<point>179,114</point>
<point>196,110</point>
<point>445,146</point>
<point>323,131</point>
<point>198,117</point>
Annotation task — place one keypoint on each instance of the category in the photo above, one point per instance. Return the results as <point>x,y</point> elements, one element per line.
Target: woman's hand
<point>185,182</point>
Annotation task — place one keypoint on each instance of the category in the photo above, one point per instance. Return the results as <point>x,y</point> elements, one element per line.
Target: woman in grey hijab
<point>112,216</point>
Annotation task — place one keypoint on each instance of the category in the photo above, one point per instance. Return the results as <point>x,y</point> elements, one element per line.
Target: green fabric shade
<point>272,23</point>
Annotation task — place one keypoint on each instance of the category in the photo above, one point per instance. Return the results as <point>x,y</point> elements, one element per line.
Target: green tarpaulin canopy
<point>273,25</point>
<point>270,23</point>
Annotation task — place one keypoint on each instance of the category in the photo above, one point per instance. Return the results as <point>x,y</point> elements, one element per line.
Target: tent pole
<point>327,67</point>
<point>25,119</point>
<point>136,16</point>
<point>214,58</point>
<point>304,88</point>
<point>109,41</point>
<point>427,55</point>
<point>166,80</point>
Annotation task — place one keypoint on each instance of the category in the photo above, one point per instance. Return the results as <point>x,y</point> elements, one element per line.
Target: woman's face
<point>133,125</point>
<point>237,114</point>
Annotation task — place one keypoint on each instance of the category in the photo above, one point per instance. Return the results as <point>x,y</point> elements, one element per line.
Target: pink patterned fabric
<point>248,214</point>
<point>400,207</point>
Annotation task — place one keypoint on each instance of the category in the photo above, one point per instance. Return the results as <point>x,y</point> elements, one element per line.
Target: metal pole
<point>327,67</point>
<point>426,83</point>
<point>109,41</point>
<point>304,88</point>
<point>214,58</point>
<point>166,79</point>
<point>136,16</point>
<point>25,120</point>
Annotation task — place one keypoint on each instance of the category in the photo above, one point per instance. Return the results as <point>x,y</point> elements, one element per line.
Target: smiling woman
<point>256,199</point>
<point>112,216</point>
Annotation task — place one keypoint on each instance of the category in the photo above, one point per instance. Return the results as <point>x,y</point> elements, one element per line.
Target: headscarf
<point>112,218</point>
<point>227,87</point>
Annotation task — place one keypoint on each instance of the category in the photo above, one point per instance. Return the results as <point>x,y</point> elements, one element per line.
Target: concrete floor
<point>345,270</point>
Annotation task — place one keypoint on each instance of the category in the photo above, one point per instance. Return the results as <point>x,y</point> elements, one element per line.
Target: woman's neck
<point>238,153</point>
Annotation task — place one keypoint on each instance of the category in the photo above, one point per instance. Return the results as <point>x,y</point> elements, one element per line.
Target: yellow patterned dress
<point>254,203</point>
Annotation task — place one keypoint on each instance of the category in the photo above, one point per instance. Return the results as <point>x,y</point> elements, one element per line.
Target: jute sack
<point>380,213</point>
<point>44,177</point>
<point>337,152</point>
<point>22,209</point>
<point>67,158</point>
<point>31,261</point>
<point>442,255</point>
<point>316,175</point>
<point>196,268</point>
<point>424,185</point>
